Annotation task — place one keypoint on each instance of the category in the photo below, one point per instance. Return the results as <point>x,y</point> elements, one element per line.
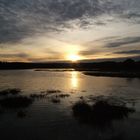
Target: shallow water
<point>47,120</point>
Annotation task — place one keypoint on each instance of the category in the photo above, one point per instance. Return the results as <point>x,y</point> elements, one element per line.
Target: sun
<point>73,57</point>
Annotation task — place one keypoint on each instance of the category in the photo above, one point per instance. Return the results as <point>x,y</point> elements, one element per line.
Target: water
<point>47,120</point>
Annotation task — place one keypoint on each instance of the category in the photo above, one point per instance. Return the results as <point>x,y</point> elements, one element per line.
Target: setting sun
<point>73,57</point>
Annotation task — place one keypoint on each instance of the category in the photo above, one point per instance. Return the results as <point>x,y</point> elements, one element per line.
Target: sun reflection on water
<point>74,79</point>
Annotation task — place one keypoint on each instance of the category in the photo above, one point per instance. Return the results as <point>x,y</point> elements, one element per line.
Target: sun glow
<point>74,57</point>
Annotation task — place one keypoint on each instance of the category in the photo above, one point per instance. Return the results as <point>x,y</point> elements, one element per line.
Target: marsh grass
<point>13,91</point>
<point>53,91</point>
<point>16,102</point>
<point>100,114</point>
<point>38,96</point>
<point>55,100</point>
<point>62,96</point>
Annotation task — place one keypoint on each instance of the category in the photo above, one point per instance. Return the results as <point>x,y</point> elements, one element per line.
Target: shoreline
<point>113,74</point>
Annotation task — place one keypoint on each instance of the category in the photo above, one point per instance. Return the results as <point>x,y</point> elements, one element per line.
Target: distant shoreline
<point>113,74</point>
<point>92,72</point>
<point>127,69</point>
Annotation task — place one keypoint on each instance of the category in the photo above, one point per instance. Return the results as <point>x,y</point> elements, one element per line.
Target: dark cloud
<point>23,18</point>
<point>14,55</point>
<point>133,52</point>
<point>89,52</point>
<point>132,15</point>
<point>107,39</point>
<point>122,42</point>
<point>131,10</point>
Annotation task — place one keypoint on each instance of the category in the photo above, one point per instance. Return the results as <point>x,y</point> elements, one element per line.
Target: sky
<point>54,30</point>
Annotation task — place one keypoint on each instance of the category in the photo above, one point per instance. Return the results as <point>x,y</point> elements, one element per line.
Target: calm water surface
<point>47,120</point>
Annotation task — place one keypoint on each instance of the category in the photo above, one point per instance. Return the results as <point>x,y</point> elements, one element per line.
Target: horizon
<point>136,59</point>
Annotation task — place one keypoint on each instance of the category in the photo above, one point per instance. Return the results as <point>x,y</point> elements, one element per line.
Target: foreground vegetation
<point>101,112</point>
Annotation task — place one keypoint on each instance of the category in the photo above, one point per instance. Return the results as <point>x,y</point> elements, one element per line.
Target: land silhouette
<point>128,68</point>
<point>128,64</point>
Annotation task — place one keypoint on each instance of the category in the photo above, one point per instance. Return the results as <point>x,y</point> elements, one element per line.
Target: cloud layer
<point>23,19</point>
<point>123,42</point>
